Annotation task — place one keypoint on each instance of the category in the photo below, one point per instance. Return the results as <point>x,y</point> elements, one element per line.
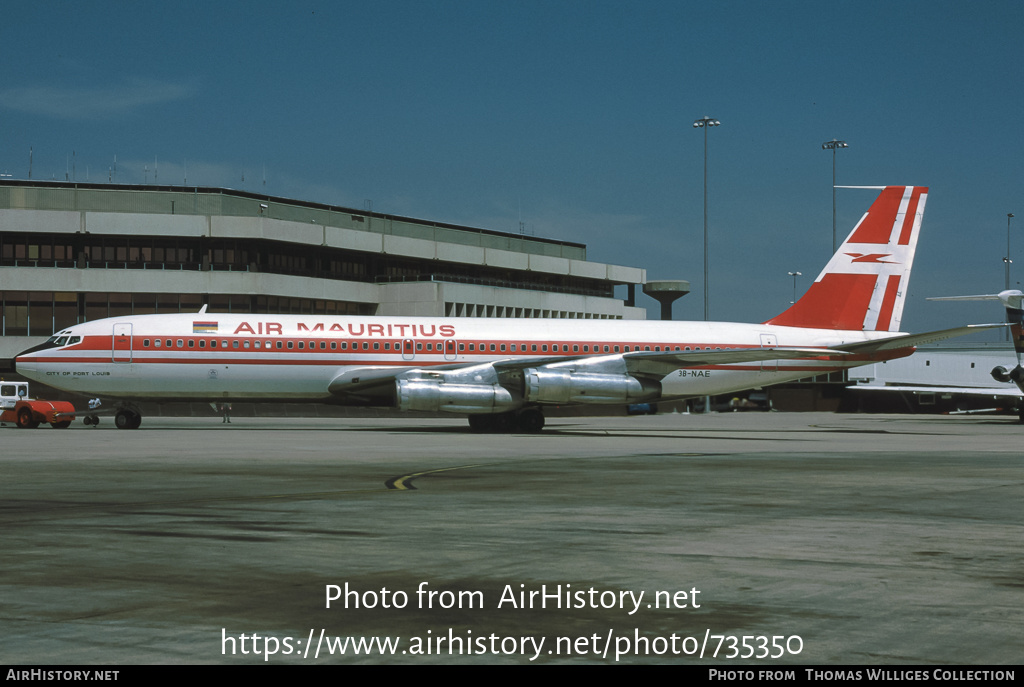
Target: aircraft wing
<point>364,380</point>
<point>655,363</point>
<point>911,340</point>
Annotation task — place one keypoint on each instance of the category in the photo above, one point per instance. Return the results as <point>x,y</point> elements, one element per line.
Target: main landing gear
<point>127,418</point>
<point>526,421</point>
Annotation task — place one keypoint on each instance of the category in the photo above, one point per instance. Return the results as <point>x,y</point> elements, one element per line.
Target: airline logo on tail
<point>864,286</point>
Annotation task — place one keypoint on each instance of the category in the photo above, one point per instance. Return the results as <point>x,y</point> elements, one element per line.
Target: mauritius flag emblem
<point>204,327</point>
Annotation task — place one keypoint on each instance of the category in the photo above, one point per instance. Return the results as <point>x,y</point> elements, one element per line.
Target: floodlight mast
<point>833,145</point>
<point>705,123</point>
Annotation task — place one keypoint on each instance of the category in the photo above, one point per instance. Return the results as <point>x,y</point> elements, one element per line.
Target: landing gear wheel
<point>530,421</point>
<point>127,419</point>
<point>480,423</point>
<point>492,424</point>
<point>26,419</point>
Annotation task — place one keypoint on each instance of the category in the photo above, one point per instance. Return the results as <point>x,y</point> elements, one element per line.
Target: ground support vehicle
<point>19,409</point>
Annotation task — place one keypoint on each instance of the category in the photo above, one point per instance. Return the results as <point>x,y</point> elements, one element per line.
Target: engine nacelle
<point>1016,375</point>
<point>432,395</point>
<point>563,386</point>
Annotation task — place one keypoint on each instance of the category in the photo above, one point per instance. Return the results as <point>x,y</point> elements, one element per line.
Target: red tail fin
<point>864,285</point>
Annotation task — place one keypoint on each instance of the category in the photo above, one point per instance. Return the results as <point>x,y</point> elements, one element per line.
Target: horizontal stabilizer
<point>911,340</point>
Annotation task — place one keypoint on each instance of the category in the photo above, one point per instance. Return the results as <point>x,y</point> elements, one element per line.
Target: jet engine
<point>434,395</point>
<point>565,386</point>
<point>1016,375</point>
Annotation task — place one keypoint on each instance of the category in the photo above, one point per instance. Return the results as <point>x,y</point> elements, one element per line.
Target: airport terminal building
<point>72,252</point>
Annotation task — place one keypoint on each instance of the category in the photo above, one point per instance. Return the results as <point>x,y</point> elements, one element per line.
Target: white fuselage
<point>206,356</point>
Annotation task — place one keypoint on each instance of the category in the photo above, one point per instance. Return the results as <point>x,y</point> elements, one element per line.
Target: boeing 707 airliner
<point>501,372</point>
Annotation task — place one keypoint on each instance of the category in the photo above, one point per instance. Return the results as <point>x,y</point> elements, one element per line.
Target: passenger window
<point>234,344</point>
<point>213,343</point>
<point>180,343</point>
<point>145,343</point>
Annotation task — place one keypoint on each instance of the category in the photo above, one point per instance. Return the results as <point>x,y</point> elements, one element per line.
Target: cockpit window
<point>74,340</point>
<point>61,340</point>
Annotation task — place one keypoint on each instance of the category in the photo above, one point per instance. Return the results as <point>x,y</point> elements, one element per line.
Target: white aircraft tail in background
<point>502,372</point>
<point>1013,302</point>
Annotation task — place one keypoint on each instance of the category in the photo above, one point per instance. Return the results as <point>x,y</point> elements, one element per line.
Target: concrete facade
<point>64,247</point>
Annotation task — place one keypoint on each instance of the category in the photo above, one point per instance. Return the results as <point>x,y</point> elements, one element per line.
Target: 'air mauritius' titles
<point>360,329</point>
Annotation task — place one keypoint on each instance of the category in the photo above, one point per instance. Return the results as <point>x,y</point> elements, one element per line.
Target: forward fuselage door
<point>121,351</point>
<point>450,349</point>
<point>408,349</point>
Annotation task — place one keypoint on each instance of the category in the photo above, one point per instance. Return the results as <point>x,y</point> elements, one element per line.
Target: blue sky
<point>574,116</point>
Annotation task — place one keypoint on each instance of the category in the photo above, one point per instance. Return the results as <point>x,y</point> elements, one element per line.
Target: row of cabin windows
<point>431,346</point>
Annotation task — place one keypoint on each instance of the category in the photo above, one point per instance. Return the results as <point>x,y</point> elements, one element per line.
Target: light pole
<point>794,275</point>
<point>1007,260</point>
<point>705,123</point>
<point>833,145</point>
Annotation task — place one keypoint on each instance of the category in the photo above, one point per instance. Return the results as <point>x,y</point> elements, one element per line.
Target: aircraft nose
<point>24,362</point>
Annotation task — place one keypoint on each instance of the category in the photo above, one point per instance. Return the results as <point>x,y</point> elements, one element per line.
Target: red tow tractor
<point>22,411</point>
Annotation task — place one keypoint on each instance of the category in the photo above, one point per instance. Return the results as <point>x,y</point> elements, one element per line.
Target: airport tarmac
<point>772,538</point>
